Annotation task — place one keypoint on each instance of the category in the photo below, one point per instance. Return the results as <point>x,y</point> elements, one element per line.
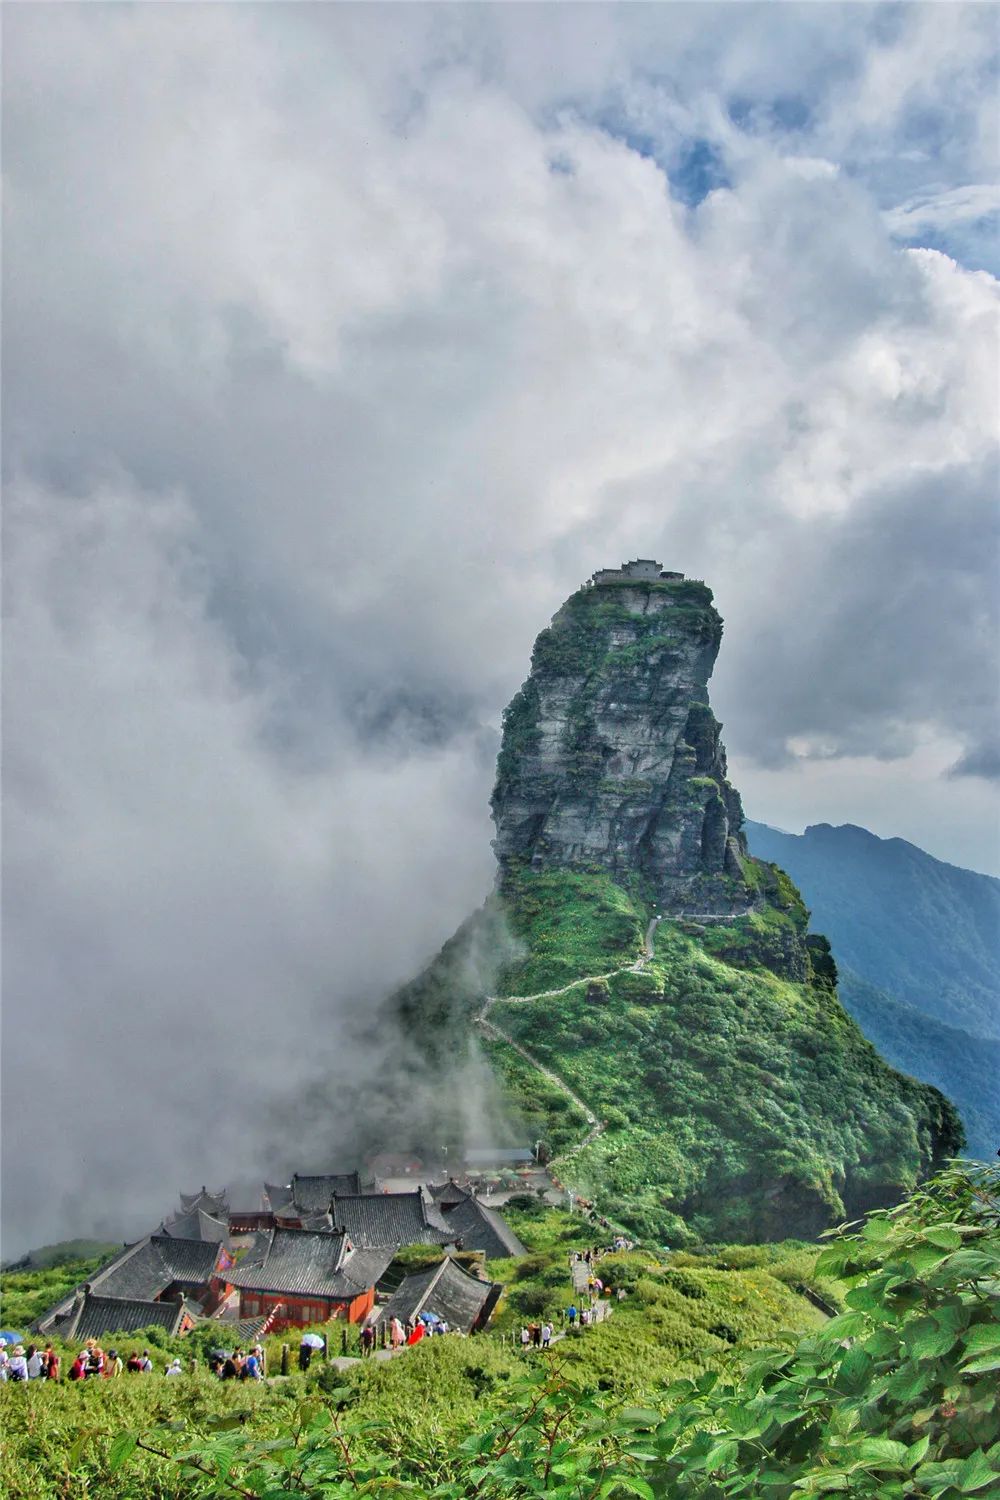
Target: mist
<point>340,345</point>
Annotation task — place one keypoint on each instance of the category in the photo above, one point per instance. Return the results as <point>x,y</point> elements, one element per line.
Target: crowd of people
<point>241,1364</point>
<point>31,1363</point>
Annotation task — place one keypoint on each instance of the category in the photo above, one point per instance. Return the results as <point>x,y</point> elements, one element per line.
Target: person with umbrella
<point>310,1341</point>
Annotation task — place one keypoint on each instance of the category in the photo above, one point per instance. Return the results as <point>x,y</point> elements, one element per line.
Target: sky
<point>340,344</point>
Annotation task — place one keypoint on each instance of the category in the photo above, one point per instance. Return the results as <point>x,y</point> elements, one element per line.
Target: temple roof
<point>480,1228</point>
<point>315,1192</point>
<point>142,1272</point>
<point>302,1262</point>
<point>216,1204</point>
<point>100,1315</point>
<point>197,1225</point>
<point>447,1291</point>
<point>390,1219</point>
<point>448,1194</point>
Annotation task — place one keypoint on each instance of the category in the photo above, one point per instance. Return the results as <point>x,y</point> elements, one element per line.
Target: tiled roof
<point>448,1194</point>
<point>191,1261</point>
<point>197,1225</point>
<point>141,1272</point>
<point>315,1192</point>
<point>482,1228</point>
<point>213,1203</point>
<point>300,1261</point>
<point>277,1194</point>
<point>447,1291</point>
<point>389,1219</point>
<point>102,1315</point>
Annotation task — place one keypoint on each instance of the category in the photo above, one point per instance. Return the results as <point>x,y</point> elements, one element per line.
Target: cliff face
<point>611,755</point>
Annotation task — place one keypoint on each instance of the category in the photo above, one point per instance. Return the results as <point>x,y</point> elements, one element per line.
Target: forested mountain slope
<point>705,1082</point>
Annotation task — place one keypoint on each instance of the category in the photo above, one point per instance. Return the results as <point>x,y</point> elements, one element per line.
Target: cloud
<point>340,344</point>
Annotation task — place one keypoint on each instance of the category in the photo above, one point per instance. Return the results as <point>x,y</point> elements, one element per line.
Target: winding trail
<point>595,1127</point>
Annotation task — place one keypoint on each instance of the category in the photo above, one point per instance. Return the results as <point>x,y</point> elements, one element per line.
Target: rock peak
<point>611,755</point>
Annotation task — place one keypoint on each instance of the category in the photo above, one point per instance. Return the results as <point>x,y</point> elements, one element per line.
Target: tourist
<point>112,1365</point>
<point>397,1333</point>
<point>134,1362</point>
<point>251,1368</point>
<point>95,1359</point>
<point>18,1369</point>
<point>367,1340</point>
<point>525,1337</point>
<point>546,1335</point>
<point>416,1334</point>
<point>146,1364</point>
<point>4,1362</point>
<point>585,1317</point>
<point>571,1315</point>
<point>305,1356</point>
<point>174,1368</point>
<point>621,1294</point>
<point>78,1368</point>
<point>258,1350</point>
<point>50,1363</point>
<point>33,1363</point>
<point>536,1335</point>
<point>230,1369</point>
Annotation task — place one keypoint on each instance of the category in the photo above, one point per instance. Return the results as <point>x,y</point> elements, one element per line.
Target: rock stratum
<point>611,755</point>
<point>697,1077</point>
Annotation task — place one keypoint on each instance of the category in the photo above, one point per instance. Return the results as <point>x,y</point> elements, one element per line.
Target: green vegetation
<point>738,1103</point>
<point>60,1254</point>
<point>567,924</point>
<point>893,1398</point>
<point>27,1294</point>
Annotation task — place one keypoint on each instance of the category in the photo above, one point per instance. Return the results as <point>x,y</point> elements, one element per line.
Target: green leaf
<point>983,1365</point>
<point>121,1449</point>
<point>975,1473</point>
<point>944,1238</point>
<point>882,1452</point>
<point>917,1452</point>
<point>982,1338</point>
<point>722,1454</point>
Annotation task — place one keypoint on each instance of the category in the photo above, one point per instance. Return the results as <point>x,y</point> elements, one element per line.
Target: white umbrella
<point>313,1340</point>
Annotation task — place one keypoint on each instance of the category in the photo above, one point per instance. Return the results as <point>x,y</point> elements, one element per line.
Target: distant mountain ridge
<point>917,943</point>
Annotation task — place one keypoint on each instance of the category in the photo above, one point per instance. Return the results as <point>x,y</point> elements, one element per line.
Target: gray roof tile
<point>389,1219</point>
<point>315,1192</point>
<point>446,1290</point>
<point>482,1228</point>
<point>300,1261</point>
<point>102,1315</point>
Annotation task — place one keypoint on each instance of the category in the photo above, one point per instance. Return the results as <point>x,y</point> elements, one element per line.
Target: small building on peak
<point>641,569</point>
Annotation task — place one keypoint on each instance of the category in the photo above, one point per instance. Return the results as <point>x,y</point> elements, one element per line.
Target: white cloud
<point>340,344</point>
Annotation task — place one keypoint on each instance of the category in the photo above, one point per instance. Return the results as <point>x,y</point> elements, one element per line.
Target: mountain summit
<point>646,993</point>
<point>611,755</point>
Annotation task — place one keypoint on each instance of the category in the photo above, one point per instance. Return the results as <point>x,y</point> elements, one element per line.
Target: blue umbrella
<point>6,1337</point>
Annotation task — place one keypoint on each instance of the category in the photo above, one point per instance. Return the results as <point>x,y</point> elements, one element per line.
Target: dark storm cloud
<point>340,344</point>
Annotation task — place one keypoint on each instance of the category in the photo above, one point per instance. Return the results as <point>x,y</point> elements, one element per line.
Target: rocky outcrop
<point>611,755</point>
